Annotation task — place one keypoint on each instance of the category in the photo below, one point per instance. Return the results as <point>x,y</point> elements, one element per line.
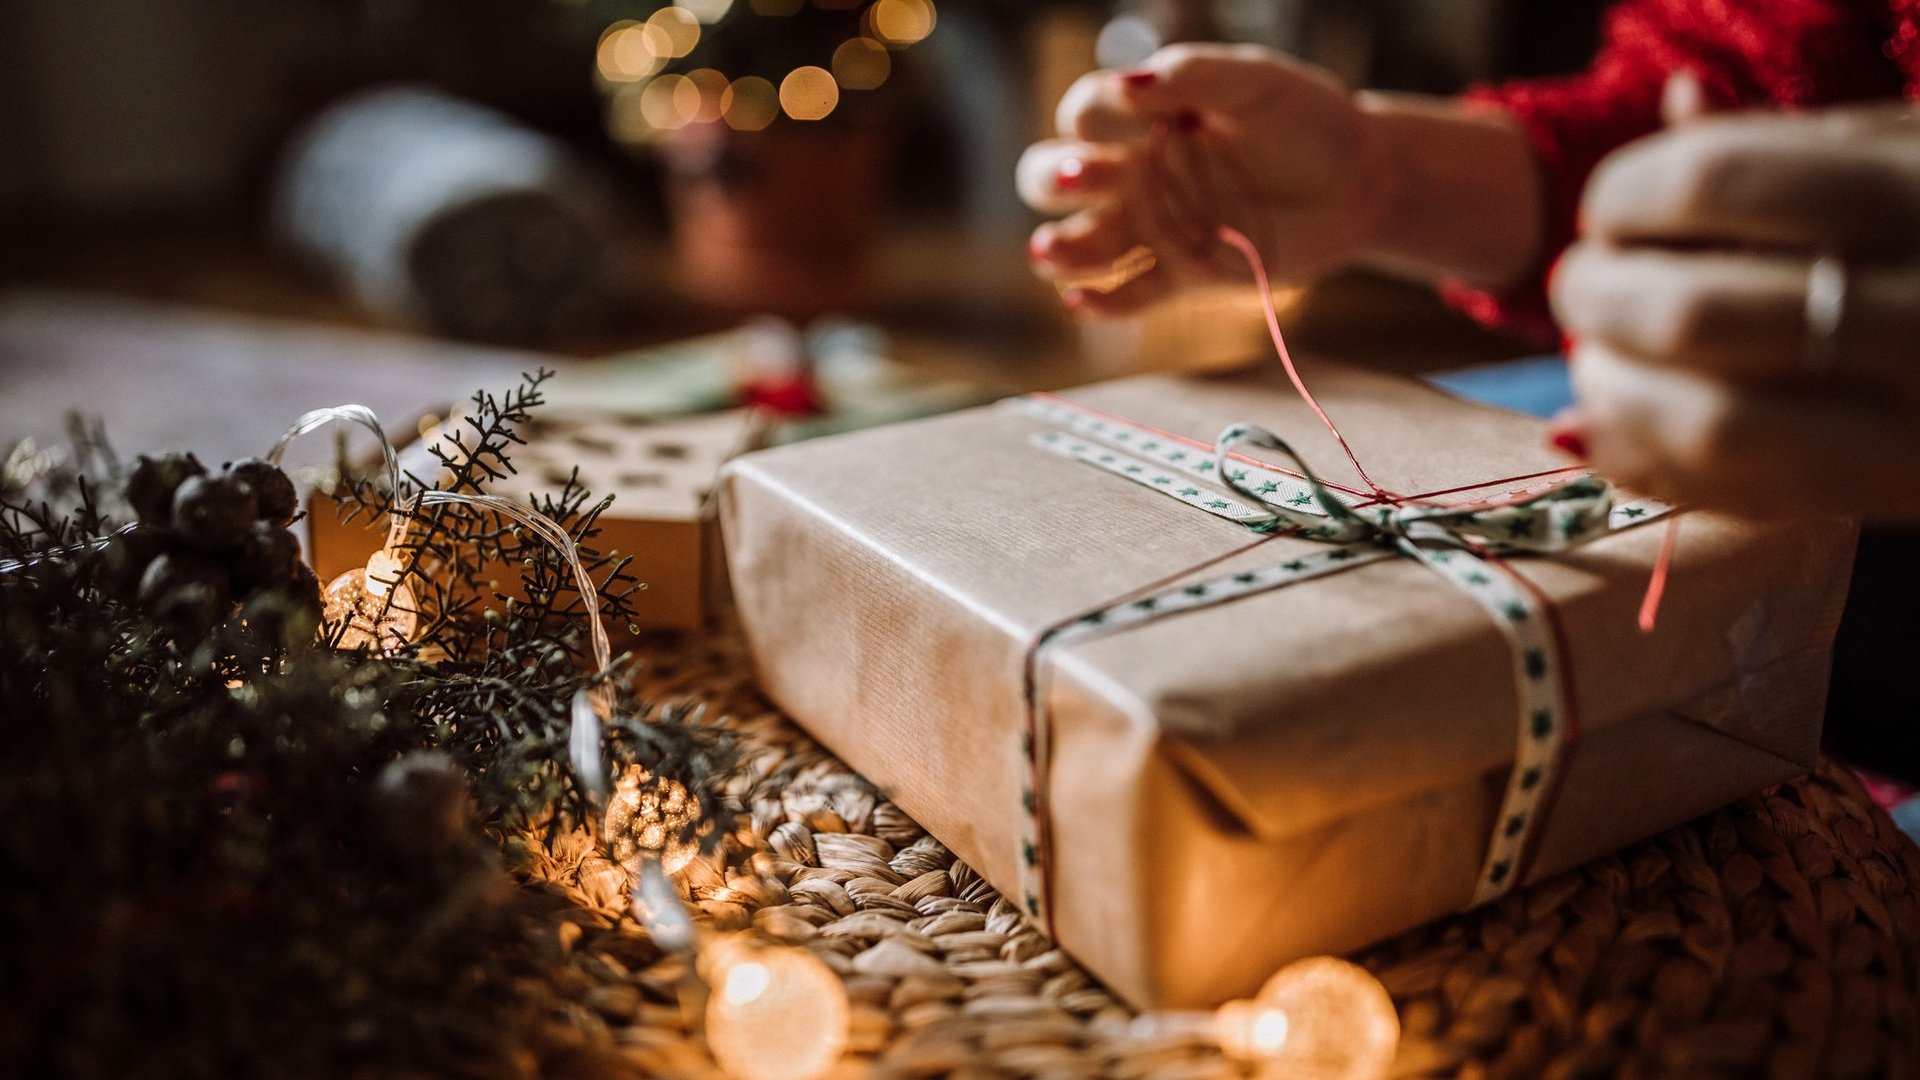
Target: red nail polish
<point>1037,248</point>
<point>1075,300</point>
<point>1139,79</point>
<point>1569,442</point>
<point>1070,175</point>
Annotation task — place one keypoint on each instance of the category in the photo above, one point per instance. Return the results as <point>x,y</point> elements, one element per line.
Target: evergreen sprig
<point>238,850</point>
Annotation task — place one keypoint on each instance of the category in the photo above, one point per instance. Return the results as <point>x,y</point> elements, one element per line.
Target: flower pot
<point>779,220</point>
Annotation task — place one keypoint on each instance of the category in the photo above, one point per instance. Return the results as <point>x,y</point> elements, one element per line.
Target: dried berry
<point>278,500</point>
<point>266,558</point>
<point>124,559</point>
<point>186,589</point>
<point>151,487</point>
<point>304,586</point>
<point>214,513</point>
<point>421,805</point>
<point>286,615</point>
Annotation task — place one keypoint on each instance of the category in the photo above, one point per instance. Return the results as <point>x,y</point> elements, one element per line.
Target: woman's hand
<point>1281,134</point>
<point>1714,364</point>
<point>1316,176</point>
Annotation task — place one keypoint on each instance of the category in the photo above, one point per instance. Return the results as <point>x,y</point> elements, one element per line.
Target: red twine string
<point>1238,240</point>
<point>1173,211</point>
<point>1662,569</point>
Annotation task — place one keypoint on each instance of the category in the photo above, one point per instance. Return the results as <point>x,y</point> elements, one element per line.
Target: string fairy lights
<point>371,607</point>
<point>1321,1018</point>
<point>650,819</point>
<point>775,1011</point>
<point>645,99</point>
<point>772,1012</point>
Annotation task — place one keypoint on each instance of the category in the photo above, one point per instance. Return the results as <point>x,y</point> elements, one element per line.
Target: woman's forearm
<point>1461,193</point>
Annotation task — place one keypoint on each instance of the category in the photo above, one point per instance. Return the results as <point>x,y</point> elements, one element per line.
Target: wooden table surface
<point>200,336</point>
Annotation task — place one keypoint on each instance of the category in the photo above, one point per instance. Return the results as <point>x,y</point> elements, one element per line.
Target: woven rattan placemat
<point>1779,937</point>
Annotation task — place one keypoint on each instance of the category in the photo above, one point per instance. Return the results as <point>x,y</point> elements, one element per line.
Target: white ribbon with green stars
<point>1170,457</point>
<point>1460,543</point>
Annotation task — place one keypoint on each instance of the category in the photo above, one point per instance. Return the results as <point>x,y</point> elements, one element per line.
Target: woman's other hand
<point>1746,310</point>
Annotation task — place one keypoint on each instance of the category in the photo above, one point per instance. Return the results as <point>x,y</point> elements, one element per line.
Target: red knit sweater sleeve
<point>1777,53</point>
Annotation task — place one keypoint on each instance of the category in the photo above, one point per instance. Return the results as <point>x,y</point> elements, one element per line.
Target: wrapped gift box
<point>660,472</point>
<point>1302,770</point>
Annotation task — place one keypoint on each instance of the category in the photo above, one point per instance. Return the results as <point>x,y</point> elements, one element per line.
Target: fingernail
<point>1187,121</point>
<point>1682,99</point>
<point>1075,300</point>
<point>1570,443</point>
<point>1037,245</point>
<point>1070,175</point>
<point>1567,436</point>
<point>1139,78</point>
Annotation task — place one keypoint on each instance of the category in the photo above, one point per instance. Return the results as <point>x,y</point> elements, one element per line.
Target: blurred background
<point>292,199</point>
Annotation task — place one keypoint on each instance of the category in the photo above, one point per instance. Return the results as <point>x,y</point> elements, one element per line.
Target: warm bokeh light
<point>775,1013</point>
<point>900,23</point>
<point>650,819</point>
<point>749,104</point>
<point>701,98</point>
<point>1249,1030</point>
<point>809,93</point>
<point>660,103</point>
<point>707,11</point>
<point>862,64</point>
<point>372,608</point>
<point>1318,1019</point>
<point>681,28</point>
<point>631,51</point>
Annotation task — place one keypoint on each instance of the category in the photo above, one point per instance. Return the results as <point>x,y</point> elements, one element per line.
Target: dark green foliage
<point>493,674</point>
<point>231,850</point>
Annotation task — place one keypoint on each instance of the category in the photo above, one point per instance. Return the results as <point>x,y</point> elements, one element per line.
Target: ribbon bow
<point>1465,543</point>
<point>1562,516</point>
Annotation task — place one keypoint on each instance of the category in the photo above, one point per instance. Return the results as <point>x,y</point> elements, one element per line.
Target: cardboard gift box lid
<point>892,583</point>
<point>660,472</point>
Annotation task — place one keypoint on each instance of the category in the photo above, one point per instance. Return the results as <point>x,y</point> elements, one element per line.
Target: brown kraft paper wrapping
<point>1300,771</point>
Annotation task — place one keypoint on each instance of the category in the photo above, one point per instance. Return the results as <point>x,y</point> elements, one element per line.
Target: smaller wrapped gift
<point>1200,714</point>
<point>660,472</point>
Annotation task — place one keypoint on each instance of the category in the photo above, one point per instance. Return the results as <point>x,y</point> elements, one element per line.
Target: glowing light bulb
<point>1250,1029</point>
<point>776,1012</point>
<point>861,63</point>
<point>749,103</point>
<point>707,11</point>
<point>682,30</point>
<point>809,93</point>
<point>1318,1019</point>
<point>372,608</point>
<point>651,819</point>
<point>702,97</point>
<point>901,23</point>
<point>631,51</point>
